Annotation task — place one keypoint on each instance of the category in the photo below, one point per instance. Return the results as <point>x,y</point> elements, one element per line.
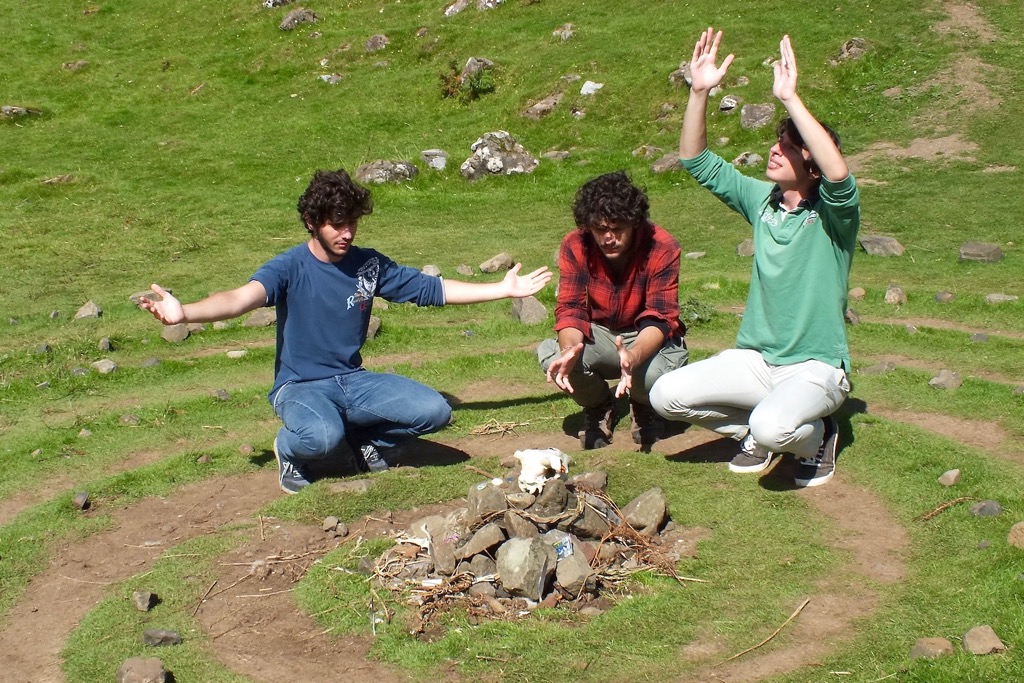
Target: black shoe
<point>648,427</point>
<point>598,423</point>
<point>822,467</point>
<point>751,458</point>
<point>290,476</point>
<point>373,459</point>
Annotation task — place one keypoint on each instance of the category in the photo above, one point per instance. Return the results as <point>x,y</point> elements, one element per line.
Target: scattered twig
<point>892,675</point>
<point>492,659</point>
<point>263,535</point>
<point>492,426</point>
<point>213,427</point>
<point>477,470</point>
<point>95,583</point>
<point>942,508</point>
<point>203,599</point>
<point>165,557</point>
<point>208,596</point>
<point>265,595</point>
<point>777,631</point>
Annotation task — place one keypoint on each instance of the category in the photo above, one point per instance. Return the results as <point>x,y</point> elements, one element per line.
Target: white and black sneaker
<point>375,462</point>
<point>289,475</point>
<point>822,467</point>
<point>752,457</point>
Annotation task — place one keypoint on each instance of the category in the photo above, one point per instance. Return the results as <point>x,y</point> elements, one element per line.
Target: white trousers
<point>736,392</point>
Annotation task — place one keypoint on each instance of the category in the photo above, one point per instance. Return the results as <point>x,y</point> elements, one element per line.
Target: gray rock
<point>330,524</point>
<point>475,65</point>
<point>88,310</point>
<point>54,315</point>
<point>261,317</point>
<point>270,4</point>
<point>84,433</point>
<point>497,153</point>
<point>564,32</point>
<point>745,248</point>
<point>982,640</point>
<point>895,295</point>
<point>222,395</point>
<point>529,311</point>
<point>377,42</point>
<point>104,366</point>
<point>944,297</point>
<point>911,329</point>
<point>484,500</point>
<point>851,317</point>
<point>385,171</point>
<point>296,18</point>
<point>542,108</point>
<point>880,245</point>
<point>12,111</point>
<point>1018,391</point>
<point>669,162</point>
<point>931,648</point>
<point>647,512</point>
<point>373,328</point>
<point>465,271</point>
<point>854,48</point>
<point>1000,298</point>
<point>485,538</point>
<point>754,116</point>
<point>482,5</point>
<point>456,7</point>
<point>556,154</point>
<point>157,637</point>
<point>950,478</point>
<point>526,566</point>
<point>151,362</point>
<point>982,252</point>
<point>590,88</point>
<point>175,334</point>
<point>435,159</point>
<point>681,76</point>
<point>979,338</point>
<point>142,670</point>
<point>856,294</point>
<point>518,526</point>
<point>431,269</point>
<point>695,255</point>
<point>42,350</point>
<point>482,565</point>
<point>520,500</point>
<point>105,344</point>
<point>729,103</point>
<point>143,600</point>
<point>946,379</point>
<point>81,500</point>
<point>236,354</point>
<point>880,368</point>
<point>130,420</point>
<point>986,508</point>
<point>502,261</point>
<point>137,297</point>
<point>572,571</point>
<point>595,481</point>
<point>79,372</point>
<point>748,159</point>
<point>552,499</point>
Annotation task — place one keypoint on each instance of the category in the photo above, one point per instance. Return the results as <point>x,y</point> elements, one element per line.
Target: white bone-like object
<point>538,465</point>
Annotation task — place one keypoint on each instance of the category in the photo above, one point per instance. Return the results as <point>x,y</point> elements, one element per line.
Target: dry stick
<point>777,631</point>
<point>942,508</point>
<point>207,597</point>
<point>263,536</point>
<point>479,471</point>
<point>892,675</point>
<point>202,599</point>
<point>95,583</point>
<point>266,595</point>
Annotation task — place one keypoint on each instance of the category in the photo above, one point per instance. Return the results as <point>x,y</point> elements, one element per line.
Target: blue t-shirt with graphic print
<point>323,309</point>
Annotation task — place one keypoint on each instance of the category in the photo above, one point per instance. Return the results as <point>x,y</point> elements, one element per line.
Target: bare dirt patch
<point>951,148</point>
<point>985,435</point>
<point>966,24</point>
<point>81,572</point>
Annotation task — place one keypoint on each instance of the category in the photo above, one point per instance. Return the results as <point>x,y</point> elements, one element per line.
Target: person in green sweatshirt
<point>777,390</point>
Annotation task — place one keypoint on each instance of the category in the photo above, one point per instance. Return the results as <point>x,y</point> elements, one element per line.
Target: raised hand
<point>561,367</point>
<point>704,73</point>
<point>626,365</point>
<point>785,71</point>
<point>168,311</point>
<point>519,286</point>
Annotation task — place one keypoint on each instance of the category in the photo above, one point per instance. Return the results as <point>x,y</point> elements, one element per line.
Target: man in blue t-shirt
<point>777,390</point>
<point>323,291</point>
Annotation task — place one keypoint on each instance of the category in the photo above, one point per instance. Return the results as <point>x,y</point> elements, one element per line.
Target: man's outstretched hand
<point>519,286</point>
<point>561,367</point>
<point>168,311</point>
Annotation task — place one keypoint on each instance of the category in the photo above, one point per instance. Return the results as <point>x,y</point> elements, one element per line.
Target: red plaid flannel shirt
<point>645,294</point>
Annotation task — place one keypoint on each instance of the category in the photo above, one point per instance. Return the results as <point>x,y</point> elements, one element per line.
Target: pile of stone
<point>508,550</point>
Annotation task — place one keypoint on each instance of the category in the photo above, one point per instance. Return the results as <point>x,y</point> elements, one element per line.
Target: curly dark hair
<point>786,125</point>
<point>610,199</point>
<point>333,197</point>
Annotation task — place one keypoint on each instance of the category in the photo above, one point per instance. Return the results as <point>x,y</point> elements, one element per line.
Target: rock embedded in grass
<point>931,648</point>
<point>982,640</point>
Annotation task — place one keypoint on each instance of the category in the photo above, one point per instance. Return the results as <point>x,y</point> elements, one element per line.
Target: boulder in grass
<point>931,648</point>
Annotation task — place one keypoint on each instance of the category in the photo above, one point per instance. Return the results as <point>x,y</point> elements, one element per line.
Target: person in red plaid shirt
<point>617,315</point>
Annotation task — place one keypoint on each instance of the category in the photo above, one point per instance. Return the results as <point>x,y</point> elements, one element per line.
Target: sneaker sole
<point>277,456</point>
<point>751,469</point>
<point>814,481</point>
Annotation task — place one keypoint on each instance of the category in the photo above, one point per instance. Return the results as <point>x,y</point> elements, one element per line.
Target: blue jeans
<point>356,408</point>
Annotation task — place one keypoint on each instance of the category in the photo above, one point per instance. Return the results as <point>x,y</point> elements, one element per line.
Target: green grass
<point>194,187</point>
